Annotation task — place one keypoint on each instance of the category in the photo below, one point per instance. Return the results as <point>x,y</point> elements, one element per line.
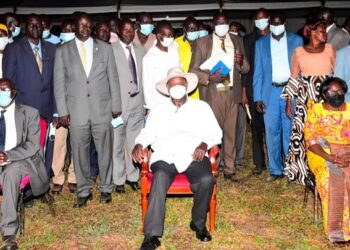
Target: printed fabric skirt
<point>306,92</point>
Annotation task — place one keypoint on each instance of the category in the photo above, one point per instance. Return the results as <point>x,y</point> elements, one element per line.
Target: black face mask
<point>335,101</point>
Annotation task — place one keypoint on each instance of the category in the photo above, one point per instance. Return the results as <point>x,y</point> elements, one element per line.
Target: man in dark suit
<point>129,66</point>
<point>223,100</point>
<point>87,95</point>
<point>28,63</point>
<point>261,21</point>
<point>19,156</point>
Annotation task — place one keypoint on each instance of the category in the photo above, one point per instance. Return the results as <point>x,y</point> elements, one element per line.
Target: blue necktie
<point>2,131</point>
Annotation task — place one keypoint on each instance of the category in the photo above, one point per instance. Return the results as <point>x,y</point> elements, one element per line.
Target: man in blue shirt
<point>342,68</point>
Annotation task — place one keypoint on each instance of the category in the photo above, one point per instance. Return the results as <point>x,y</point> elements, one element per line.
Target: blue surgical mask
<point>194,35</point>
<point>202,33</point>
<point>5,98</point>
<point>261,24</point>
<point>146,29</point>
<point>66,37</point>
<point>277,30</point>
<point>16,32</point>
<point>46,34</point>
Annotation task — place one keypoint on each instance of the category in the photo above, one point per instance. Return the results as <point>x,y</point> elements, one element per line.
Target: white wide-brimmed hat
<point>191,78</point>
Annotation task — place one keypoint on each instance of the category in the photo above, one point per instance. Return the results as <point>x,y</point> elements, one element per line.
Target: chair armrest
<point>213,152</point>
<point>145,162</point>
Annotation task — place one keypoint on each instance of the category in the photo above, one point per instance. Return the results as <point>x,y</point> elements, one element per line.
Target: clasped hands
<point>342,161</point>
<point>198,154</point>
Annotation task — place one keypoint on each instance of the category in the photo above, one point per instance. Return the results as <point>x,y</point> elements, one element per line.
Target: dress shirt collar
<point>124,45</point>
<point>10,108</point>
<point>330,27</point>
<point>32,45</point>
<point>281,39</point>
<point>78,42</point>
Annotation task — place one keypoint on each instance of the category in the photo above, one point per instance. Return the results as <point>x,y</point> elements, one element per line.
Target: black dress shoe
<point>203,234</point>
<point>257,170</point>
<point>29,203</point>
<point>120,189</point>
<point>232,177</point>
<point>106,198</point>
<point>134,185</point>
<point>56,189</point>
<point>150,243</point>
<point>82,201</point>
<point>9,243</point>
<point>72,187</point>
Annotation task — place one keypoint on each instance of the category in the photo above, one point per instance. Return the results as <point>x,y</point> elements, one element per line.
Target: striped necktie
<point>38,59</point>
<point>2,131</point>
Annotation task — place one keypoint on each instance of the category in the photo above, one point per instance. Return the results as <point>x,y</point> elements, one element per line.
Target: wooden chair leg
<point>21,213</point>
<point>212,210</point>
<point>144,205</point>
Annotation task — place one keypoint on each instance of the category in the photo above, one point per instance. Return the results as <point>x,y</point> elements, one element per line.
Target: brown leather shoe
<point>72,187</point>
<point>9,243</point>
<point>56,189</point>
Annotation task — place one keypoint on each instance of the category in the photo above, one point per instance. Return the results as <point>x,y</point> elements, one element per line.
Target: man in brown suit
<point>222,92</point>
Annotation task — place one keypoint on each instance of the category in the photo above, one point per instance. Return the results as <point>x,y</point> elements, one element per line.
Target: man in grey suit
<point>335,35</point>
<point>19,157</point>
<point>129,67</point>
<point>87,95</point>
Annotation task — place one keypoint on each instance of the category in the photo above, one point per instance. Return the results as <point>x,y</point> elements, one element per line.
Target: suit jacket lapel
<point>95,57</point>
<point>76,56</point>
<point>45,58</point>
<point>19,119</point>
<point>28,49</point>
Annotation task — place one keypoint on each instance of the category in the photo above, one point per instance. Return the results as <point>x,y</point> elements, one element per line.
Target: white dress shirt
<point>155,66</point>
<point>89,47</point>
<point>127,54</point>
<point>279,58</point>
<point>11,133</point>
<point>174,133</point>
<point>229,47</point>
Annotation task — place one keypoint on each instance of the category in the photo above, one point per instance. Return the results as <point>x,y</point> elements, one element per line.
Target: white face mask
<point>221,29</point>
<point>261,24</point>
<point>167,41</point>
<point>277,30</point>
<point>234,33</point>
<point>177,92</point>
<point>3,42</point>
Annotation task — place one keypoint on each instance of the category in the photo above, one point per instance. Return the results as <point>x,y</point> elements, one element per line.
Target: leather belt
<point>279,85</point>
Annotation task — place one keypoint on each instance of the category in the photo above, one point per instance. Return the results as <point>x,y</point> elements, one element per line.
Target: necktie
<point>132,68</point>
<point>38,59</point>
<point>227,81</point>
<point>83,56</point>
<point>2,131</point>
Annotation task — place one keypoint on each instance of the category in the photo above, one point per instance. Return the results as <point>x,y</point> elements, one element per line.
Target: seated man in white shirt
<point>180,131</point>
<point>19,156</point>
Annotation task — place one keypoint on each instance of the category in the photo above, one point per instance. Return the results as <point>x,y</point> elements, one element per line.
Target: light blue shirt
<point>342,68</point>
<point>32,45</point>
<point>279,59</point>
<point>53,39</point>
<point>89,47</point>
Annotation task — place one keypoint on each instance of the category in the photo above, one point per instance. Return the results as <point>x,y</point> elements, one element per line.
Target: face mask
<point>46,34</point>
<point>234,33</point>
<point>261,24</point>
<point>192,35</point>
<point>16,32</point>
<point>221,30</point>
<point>5,98</point>
<point>3,42</point>
<point>167,41</point>
<point>66,37</point>
<point>146,29</point>
<point>202,33</point>
<point>277,30</point>
<point>177,92</point>
<point>335,101</point>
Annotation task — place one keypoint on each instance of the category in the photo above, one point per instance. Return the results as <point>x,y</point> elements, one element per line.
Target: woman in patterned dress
<point>311,65</point>
<point>327,136</point>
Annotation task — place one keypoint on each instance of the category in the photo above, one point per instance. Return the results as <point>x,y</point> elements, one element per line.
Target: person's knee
<point>11,177</point>
<point>207,181</point>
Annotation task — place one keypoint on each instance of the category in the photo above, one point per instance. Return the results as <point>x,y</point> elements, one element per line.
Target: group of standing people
<point>98,86</point>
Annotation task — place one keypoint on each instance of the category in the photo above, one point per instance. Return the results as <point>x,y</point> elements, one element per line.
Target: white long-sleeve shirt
<point>174,134</point>
<point>155,66</point>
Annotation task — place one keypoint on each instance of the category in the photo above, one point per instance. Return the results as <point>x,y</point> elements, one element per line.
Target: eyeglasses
<point>333,93</point>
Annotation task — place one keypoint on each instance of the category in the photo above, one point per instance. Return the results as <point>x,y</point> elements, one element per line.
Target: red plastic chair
<point>25,182</point>
<point>179,186</point>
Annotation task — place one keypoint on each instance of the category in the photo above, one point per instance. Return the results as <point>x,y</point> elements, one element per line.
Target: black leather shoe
<point>106,198</point>
<point>202,235</point>
<point>120,189</point>
<point>72,187</point>
<point>29,203</point>
<point>257,170</point>
<point>134,185</point>
<point>232,177</point>
<point>82,201</point>
<point>150,243</point>
<point>9,243</point>
<point>273,178</point>
<point>56,189</point>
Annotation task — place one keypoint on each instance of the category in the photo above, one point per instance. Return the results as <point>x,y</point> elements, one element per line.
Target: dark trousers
<point>202,183</point>
<point>258,129</point>
<point>93,160</point>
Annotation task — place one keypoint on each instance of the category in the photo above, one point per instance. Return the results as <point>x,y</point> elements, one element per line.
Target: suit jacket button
<point>88,95</point>
<point>87,82</point>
